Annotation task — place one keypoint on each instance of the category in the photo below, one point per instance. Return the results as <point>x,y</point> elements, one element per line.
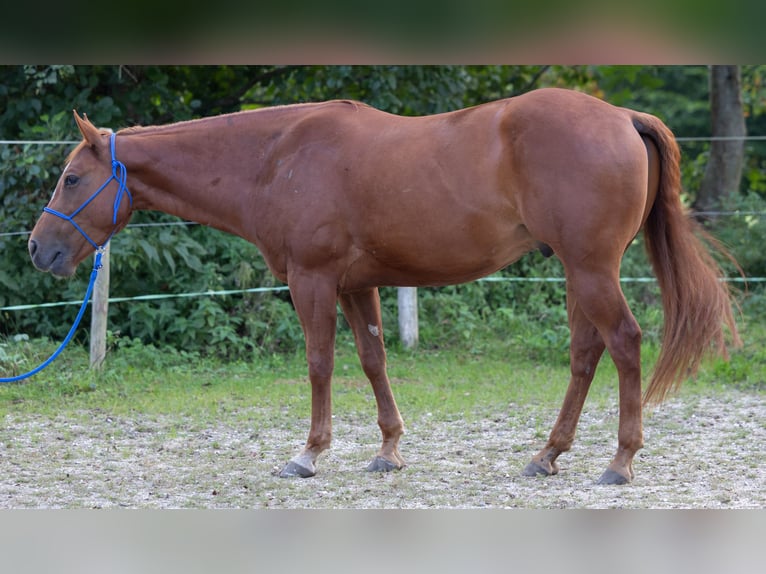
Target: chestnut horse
<point>341,198</point>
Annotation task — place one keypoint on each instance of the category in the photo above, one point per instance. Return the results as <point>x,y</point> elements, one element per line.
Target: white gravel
<point>701,452</point>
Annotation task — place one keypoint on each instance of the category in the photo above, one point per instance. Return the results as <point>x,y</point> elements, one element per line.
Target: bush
<point>192,259</point>
<point>171,260</point>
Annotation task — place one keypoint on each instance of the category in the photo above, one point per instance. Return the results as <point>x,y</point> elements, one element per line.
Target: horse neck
<point>193,170</point>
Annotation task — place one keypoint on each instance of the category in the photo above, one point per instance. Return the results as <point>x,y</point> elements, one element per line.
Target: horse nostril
<point>32,247</point>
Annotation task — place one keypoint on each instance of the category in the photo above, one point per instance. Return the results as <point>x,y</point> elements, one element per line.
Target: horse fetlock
<point>391,431</point>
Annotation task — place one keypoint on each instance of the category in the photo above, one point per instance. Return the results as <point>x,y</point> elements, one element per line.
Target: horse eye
<point>71,180</point>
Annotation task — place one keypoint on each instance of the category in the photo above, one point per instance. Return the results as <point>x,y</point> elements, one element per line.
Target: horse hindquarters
<point>696,303</point>
<point>587,204</point>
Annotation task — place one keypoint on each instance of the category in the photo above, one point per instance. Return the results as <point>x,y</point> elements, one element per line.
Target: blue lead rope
<point>120,175</point>
<point>93,275</point>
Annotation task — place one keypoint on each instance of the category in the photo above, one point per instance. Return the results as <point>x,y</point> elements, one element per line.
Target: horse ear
<point>87,129</point>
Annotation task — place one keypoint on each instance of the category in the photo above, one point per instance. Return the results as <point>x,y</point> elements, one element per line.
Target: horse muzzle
<point>52,259</point>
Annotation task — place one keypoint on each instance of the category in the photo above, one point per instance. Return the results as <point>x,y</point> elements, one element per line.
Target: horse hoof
<point>294,469</point>
<point>612,477</point>
<point>533,469</point>
<point>380,464</point>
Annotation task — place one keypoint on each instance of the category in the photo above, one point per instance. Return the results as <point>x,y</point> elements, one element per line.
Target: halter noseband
<point>120,175</point>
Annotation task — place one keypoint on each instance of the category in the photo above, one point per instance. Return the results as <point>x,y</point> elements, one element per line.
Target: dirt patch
<point>701,452</point>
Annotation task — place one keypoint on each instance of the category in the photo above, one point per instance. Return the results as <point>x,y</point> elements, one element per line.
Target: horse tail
<point>696,302</point>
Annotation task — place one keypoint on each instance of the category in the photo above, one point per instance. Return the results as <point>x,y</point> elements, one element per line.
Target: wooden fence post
<point>99,308</point>
<point>407,298</point>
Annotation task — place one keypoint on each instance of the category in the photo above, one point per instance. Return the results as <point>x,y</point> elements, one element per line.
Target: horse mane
<point>353,105</point>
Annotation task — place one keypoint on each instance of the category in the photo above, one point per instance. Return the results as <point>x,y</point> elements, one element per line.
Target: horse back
<point>451,197</point>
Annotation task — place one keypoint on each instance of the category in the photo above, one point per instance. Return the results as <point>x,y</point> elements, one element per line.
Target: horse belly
<point>437,259</point>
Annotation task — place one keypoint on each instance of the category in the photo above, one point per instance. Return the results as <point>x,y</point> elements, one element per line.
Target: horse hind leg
<point>602,301</point>
<point>362,310</point>
<point>586,349</point>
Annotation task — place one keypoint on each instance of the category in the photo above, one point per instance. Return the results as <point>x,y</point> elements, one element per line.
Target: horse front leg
<point>586,349</point>
<point>315,303</point>
<point>362,310</point>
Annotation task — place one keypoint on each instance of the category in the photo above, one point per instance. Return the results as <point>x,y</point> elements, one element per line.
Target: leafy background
<point>36,104</point>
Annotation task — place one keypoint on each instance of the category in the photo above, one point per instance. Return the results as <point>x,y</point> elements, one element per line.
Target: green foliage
<point>744,234</point>
<point>195,259</point>
<point>530,314</point>
<point>406,90</point>
<point>25,170</point>
<point>36,103</point>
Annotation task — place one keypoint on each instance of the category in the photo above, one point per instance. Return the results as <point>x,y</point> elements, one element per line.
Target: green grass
<point>149,380</point>
<point>461,381</point>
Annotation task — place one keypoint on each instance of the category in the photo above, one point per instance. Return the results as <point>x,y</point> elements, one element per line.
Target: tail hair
<point>696,300</point>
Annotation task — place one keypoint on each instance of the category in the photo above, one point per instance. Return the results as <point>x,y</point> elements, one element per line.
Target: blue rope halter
<point>120,175</point>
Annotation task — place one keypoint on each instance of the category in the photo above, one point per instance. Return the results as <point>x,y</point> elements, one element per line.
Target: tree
<point>724,167</point>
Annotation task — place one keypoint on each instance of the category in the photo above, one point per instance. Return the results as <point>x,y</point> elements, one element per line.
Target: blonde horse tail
<point>697,304</point>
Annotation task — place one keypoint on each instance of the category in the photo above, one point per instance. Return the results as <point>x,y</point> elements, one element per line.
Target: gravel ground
<point>700,452</point>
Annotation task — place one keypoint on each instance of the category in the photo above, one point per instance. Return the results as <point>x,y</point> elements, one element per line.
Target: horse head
<point>87,205</point>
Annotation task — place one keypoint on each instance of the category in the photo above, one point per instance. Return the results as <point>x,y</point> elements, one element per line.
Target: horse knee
<point>320,366</point>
